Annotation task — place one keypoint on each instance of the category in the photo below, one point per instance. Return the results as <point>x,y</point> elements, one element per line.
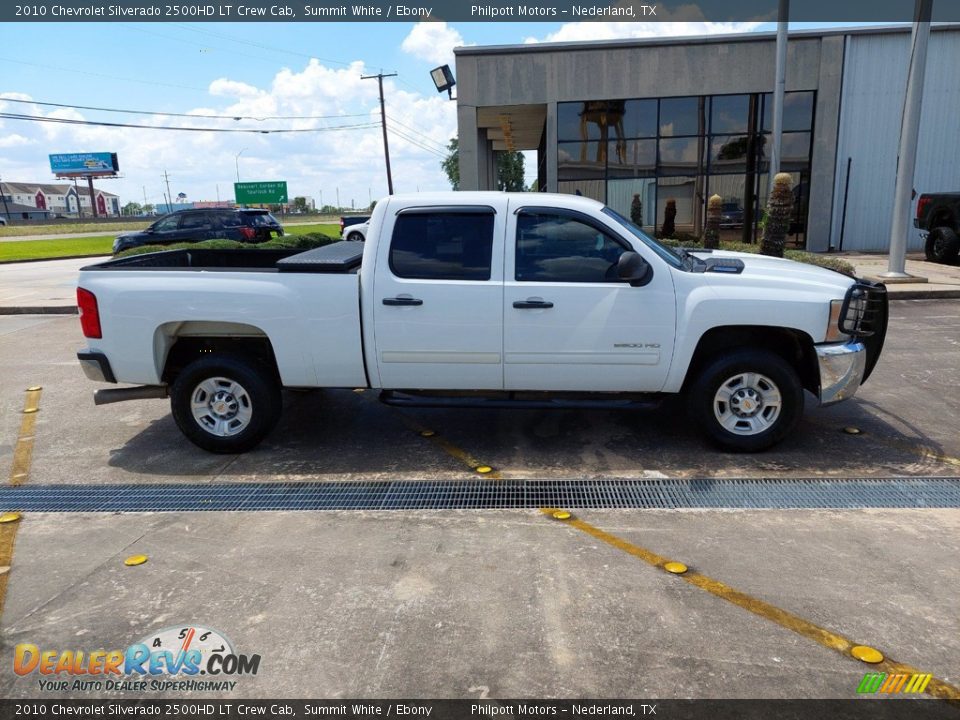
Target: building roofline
<point>541,47</point>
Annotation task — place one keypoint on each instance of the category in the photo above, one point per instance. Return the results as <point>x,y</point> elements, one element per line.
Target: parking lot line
<point>827,638</point>
<point>19,472</point>
<point>448,447</point>
<point>23,453</point>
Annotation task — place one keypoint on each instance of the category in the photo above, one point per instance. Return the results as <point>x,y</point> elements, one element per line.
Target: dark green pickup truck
<point>939,215</point>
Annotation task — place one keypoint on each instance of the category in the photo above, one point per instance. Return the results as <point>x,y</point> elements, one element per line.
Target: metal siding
<point>874,83</point>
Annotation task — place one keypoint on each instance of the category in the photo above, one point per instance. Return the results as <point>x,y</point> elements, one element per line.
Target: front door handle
<point>402,301</point>
<point>532,304</point>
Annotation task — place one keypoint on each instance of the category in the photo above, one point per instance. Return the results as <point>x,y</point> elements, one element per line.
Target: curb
<point>923,294</point>
<point>66,257</point>
<point>40,310</point>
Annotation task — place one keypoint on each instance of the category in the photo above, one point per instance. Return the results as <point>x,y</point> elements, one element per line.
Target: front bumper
<point>843,367</point>
<point>96,366</point>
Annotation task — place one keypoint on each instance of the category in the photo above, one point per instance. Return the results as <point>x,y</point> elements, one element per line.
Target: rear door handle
<point>531,304</point>
<point>402,301</point>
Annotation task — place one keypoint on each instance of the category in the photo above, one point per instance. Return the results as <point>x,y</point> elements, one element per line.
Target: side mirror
<point>634,269</point>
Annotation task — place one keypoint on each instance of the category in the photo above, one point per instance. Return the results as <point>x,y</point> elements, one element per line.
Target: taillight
<point>248,233</point>
<point>89,314</point>
<point>922,204</point>
<point>342,225</point>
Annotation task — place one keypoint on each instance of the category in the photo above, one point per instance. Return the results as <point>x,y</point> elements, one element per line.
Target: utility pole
<point>93,200</point>
<point>776,138</point>
<point>166,178</point>
<point>909,137</point>
<point>144,197</point>
<point>338,197</point>
<point>383,125</point>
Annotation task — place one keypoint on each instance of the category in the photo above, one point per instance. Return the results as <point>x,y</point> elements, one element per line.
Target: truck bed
<point>339,257</point>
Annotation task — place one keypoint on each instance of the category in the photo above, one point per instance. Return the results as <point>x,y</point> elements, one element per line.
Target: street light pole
<point>236,161</point>
<point>909,137</point>
<point>783,13</point>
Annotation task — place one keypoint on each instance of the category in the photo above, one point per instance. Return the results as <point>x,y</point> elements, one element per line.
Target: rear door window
<point>442,245</point>
<point>195,221</point>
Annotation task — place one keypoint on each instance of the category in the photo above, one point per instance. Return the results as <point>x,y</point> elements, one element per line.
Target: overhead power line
<point>272,131</point>
<point>184,115</point>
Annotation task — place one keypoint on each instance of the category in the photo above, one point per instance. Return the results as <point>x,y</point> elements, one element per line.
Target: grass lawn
<point>48,249</point>
<point>103,244</point>
<point>67,228</point>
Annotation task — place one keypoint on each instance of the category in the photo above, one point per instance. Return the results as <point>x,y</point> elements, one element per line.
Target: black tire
<point>703,393</point>
<point>255,411</point>
<point>943,245</point>
<point>355,237</point>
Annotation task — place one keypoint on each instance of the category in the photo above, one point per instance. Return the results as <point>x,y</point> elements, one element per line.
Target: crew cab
<point>481,299</point>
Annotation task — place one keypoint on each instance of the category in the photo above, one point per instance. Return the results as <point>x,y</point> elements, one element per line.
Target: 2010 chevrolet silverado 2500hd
<point>481,299</point>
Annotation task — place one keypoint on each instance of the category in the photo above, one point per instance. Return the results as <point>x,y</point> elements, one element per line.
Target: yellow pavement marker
<point>19,472</point>
<point>785,619</point>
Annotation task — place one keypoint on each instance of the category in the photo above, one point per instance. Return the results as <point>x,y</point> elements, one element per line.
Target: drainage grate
<point>729,493</point>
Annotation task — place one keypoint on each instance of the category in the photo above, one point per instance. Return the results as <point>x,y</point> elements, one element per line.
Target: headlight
<point>833,324</point>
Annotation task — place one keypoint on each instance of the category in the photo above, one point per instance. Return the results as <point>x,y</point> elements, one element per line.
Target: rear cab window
<point>442,244</point>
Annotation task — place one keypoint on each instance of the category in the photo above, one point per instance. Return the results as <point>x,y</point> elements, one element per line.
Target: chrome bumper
<point>842,367</point>
<point>96,366</point>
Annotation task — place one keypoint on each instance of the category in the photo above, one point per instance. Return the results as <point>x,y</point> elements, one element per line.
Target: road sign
<point>260,193</point>
<point>84,163</point>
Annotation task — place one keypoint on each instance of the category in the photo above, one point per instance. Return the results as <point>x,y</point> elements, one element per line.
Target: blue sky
<point>259,69</point>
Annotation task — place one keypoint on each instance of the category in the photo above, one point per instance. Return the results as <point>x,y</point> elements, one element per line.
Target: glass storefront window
<point>631,158</point>
<point>581,160</point>
<point>728,153</point>
<point>681,116</point>
<point>595,189</point>
<point>620,197</point>
<point>797,111</point>
<point>795,151</point>
<point>729,114</point>
<point>640,119</point>
<point>684,192</point>
<point>681,156</point>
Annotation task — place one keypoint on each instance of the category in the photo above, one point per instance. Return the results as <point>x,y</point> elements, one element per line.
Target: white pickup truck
<point>481,299</point>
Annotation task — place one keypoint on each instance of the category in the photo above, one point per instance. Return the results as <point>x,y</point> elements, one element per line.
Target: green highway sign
<point>260,193</point>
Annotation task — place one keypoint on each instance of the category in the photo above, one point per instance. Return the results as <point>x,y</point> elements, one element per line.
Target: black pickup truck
<point>939,215</point>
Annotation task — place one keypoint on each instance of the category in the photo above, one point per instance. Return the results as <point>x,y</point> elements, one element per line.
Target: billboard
<point>101,163</point>
<point>260,193</point>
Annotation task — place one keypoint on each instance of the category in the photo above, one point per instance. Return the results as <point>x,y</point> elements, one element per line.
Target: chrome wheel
<point>747,404</point>
<point>221,406</point>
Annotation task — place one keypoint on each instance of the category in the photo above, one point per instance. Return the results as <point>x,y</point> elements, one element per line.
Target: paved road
<point>497,603</point>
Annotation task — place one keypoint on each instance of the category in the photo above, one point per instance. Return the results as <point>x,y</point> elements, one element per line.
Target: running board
<point>142,392</point>
<point>523,400</point>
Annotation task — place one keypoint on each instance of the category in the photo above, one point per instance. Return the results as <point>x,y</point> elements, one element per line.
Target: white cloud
<point>433,41</point>
<point>14,140</point>
<point>581,31</point>
<point>205,164</point>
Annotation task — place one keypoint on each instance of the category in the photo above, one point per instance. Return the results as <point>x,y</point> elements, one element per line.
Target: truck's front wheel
<point>225,404</point>
<point>747,400</point>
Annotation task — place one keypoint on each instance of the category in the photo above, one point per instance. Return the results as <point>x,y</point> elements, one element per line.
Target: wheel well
<point>794,346</point>
<point>187,349</point>
<point>944,218</point>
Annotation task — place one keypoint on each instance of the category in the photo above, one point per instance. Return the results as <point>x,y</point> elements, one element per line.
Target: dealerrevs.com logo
<point>182,658</point>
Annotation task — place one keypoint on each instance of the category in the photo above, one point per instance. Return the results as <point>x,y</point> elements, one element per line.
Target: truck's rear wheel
<point>355,237</point>
<point>225,404</point>
<point>942,245</point>
<point>747,400</point>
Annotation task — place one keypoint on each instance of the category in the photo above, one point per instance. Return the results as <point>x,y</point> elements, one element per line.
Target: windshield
<point>668,254</point>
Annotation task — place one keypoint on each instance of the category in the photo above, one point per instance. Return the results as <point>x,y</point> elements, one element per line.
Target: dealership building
<point>640,123</point>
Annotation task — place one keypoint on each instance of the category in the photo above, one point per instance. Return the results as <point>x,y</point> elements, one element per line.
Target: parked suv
<point>243,225</point>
